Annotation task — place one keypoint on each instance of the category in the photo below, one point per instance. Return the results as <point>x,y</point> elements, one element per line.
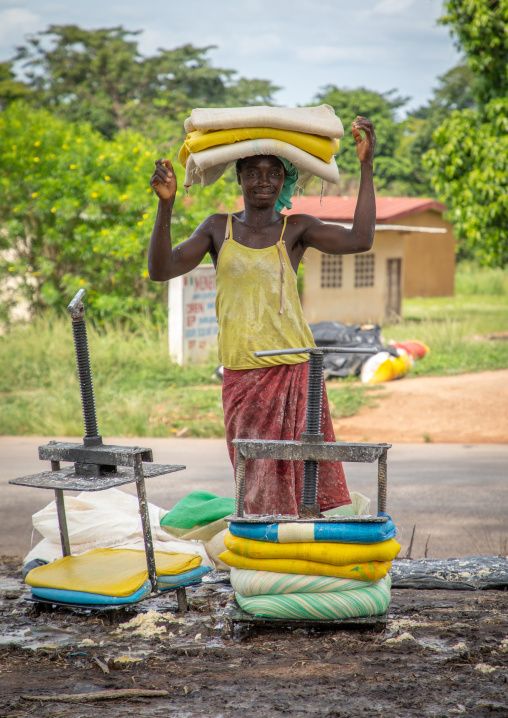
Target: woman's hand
<point>163,180</point>
<point>364,145</point>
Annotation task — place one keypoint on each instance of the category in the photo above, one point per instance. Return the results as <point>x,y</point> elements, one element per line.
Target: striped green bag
<point>261,583</point>
<point>371,599</point>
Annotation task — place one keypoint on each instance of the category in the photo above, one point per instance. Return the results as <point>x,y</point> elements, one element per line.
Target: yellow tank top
<point>257,305</point>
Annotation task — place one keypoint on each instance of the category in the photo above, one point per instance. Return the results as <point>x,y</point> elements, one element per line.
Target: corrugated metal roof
<point>342,209</point>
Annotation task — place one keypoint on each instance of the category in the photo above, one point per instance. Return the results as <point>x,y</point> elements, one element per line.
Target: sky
<point>299,45</point>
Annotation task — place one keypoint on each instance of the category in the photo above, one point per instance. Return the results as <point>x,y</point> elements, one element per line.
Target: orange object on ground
<point>416,350</point>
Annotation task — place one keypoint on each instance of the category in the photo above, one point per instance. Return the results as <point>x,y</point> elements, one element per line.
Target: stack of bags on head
<point>315,571</point>
<point>305,139</point>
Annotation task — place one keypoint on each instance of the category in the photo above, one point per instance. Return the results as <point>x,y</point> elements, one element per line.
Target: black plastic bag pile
<point>336,334</point>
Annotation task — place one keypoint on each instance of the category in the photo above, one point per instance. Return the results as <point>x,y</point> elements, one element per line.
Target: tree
<point>393,169</point>
<point>100,76</point>
<point>76,210</point>
<point>480,28</point>
<point>469,167</point>
<point>453,92</point>
<point>470,175</point>
<point>10,88</point>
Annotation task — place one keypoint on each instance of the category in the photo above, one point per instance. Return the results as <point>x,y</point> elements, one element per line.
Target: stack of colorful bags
<point>316,571</point>
<point>108,562</point>
<point>111,577</point>
<point>306,137</point>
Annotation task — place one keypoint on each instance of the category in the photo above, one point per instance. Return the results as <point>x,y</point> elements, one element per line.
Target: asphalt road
<point>456,496</point>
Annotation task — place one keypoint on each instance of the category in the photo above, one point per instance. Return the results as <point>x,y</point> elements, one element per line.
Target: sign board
<point>192,322</point>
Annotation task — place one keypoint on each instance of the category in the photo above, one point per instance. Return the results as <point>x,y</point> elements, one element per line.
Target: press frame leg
<point>181,597</point>
<point>62,519</point>
<point>382,482</point>
<point>240,484</point>
<point>145,522</point>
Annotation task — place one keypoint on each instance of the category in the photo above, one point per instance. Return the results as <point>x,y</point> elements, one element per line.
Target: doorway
<point>394,292</point>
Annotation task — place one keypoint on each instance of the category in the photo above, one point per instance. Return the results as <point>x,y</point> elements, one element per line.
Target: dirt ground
<point>442,653</point>
<point>465,409</point>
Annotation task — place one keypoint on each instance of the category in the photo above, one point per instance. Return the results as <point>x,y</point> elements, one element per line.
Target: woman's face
<point>261,179</point>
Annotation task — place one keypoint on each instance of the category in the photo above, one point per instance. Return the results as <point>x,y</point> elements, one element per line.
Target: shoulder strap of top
<point>283,227</point>
<point>282,266</point>
<point>229,228</point>
<point>227,234</point>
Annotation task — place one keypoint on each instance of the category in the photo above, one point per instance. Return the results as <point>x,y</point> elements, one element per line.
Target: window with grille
<point>364,270</point>
<point>331,271</point>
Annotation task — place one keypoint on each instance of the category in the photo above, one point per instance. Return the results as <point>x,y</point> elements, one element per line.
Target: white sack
<point>105,519</point>
<point>320,120</point>
<point>96,517</point>
<point>208,165</point>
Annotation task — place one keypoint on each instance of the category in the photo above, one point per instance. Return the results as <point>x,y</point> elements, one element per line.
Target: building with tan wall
<point>413,255</point>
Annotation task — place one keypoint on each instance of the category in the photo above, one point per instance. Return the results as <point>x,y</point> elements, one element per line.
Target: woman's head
<point>265,177</point>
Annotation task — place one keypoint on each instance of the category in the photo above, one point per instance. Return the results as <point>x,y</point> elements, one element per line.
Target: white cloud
<point>393,7</point>
<point>327,55</point>
<point>15,23</point>
<point>300,45</point>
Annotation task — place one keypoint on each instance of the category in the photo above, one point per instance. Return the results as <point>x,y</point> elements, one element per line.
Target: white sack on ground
<point>320,120</point>
<point>105,519</point>
<point>219,158</point>
<point>216,546</point>
<point>96,516</point>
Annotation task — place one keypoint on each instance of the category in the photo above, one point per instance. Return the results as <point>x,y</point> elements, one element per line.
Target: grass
<point>139,392</point>
<point>458,329</point>
<point>346,397</point>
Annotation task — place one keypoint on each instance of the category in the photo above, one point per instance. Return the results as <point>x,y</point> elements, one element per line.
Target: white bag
<point>105,519</point>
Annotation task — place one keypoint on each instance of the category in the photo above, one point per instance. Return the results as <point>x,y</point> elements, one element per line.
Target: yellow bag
<point>108,571</point>
<point>322,147</point>
<point>384,367</point>
<point>338,554</point>
<point>367,571</point>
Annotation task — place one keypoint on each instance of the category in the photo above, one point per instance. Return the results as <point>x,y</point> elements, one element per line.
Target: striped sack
<point>304,532</point>
<point>338,554</point>
<point>371,600</point>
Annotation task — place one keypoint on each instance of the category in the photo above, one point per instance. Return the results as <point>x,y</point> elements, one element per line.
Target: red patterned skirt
<point>270,403</point>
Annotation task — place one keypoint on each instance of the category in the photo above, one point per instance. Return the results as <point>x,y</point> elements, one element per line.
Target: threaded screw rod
<point>313,426</point>
<point>77,311</point>
<point>314,394</point>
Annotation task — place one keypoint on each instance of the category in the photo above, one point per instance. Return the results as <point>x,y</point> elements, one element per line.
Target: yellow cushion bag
<point>317,145</point>
<point>367,571</point>
<point>108,571</point>
<point>338,554</point>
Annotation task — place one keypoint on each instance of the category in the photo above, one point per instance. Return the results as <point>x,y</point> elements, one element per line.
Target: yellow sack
<point>322,147</point>
<point>368,571</point>
<point>338,554</point>
<point>384,367</point>
<point>108,571</point>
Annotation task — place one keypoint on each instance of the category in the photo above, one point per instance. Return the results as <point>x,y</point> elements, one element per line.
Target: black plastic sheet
<point>472,573</point>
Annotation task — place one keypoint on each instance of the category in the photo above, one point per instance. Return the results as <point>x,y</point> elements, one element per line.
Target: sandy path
<point>469,409</point>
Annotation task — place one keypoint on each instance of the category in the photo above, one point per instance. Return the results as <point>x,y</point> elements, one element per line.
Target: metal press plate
<point>238,615</point>
<point>102,454</point>
<point>284,518</point>
<point>67,480</point>
<point>303,450</point>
